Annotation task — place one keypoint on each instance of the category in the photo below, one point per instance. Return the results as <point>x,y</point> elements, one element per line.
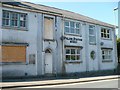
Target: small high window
<point>105,33</point>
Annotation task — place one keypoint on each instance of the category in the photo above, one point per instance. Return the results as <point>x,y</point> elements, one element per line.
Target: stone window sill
<point>67,62</point>
<point>107,60</point>
<point>13,63</point>
<point>14,28</point>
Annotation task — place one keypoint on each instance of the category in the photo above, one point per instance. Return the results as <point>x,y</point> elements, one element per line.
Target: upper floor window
<point>105,33</point>
<point>14,19</point>
<point>92,34</point>
<point>72,27</point>
<point>6,18</point>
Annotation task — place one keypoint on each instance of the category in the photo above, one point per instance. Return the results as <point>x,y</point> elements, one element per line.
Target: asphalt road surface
<point>112,83</point>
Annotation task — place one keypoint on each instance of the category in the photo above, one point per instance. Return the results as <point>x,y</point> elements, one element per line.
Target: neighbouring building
<point>39,40</point>
<point>119,19</point>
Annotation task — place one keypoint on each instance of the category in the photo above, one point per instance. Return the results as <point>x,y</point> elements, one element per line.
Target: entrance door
<point>48,62</point>
<point>93,64</point>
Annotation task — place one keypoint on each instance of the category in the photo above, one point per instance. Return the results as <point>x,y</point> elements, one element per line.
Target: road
<point>112,83</point>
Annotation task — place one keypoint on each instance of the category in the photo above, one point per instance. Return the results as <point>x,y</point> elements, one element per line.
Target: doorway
<point>48,61</point>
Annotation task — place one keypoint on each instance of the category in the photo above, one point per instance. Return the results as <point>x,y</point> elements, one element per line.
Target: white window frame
<point>76,54</point>
<point>92,35</point>
<point>107,54</point>
<point>105,34</point>
<point>75,27</point>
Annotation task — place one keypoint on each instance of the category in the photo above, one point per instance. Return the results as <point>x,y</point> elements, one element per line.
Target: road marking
<point>51,86</point>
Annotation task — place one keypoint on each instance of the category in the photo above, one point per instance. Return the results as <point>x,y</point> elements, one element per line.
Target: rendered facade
<point>39,40</point>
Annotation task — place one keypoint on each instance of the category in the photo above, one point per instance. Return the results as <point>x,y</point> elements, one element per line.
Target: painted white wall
<point>79,66</point>
<point>55,45</point>
<point>108,44</point>
<point>29,36</point>
<point>37,46</point>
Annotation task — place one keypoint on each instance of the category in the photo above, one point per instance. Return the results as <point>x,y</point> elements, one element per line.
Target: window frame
<point>75,27</point>
<point>4,18</point>
<point>75,54</point>
<point>19,27</point>
<point>92,35</point>
<point>107,53</point>
<point>105,33</point>
<point>13,19</point>
<point>25,21</point>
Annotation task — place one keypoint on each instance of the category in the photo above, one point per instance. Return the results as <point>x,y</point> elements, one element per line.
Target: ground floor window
<point>106,54</point>
<point>13,54</point>
<point>72,53</point>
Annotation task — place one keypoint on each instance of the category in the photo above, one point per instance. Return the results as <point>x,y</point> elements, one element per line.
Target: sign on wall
<point>71,39</point>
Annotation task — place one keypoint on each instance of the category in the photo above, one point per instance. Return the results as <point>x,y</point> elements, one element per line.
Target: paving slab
<point>54,82</point>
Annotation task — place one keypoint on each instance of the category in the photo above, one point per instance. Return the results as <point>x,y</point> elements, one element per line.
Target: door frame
<point>92,61</point>
<point>50,50</point>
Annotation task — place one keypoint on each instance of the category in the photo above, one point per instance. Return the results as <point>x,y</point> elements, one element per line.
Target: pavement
<point>54,82</point>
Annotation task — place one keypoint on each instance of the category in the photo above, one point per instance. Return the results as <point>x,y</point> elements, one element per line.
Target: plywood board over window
<point>14,54</point>
<point>48,28</point>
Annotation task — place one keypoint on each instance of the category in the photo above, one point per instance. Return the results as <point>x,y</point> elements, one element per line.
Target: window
<point>72,27</point>
<point>92,34</point>
<point>72,54</point>
<point>6,18</point>
<point>106,54</point>
<point>48,28</point>
<point>105,33</point>
<point>23,20</point>
<point>13,54</point>
<point>14,19</point>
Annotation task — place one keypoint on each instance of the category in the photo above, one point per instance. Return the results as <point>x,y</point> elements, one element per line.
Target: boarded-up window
<point>48,28</point>
<point>14,54</point>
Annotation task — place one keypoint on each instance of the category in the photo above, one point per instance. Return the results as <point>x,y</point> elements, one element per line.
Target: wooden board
<point>48,28</point>
<point>14,54</point>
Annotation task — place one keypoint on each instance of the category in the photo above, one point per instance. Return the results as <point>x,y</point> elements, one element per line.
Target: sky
<point>103,11</point>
